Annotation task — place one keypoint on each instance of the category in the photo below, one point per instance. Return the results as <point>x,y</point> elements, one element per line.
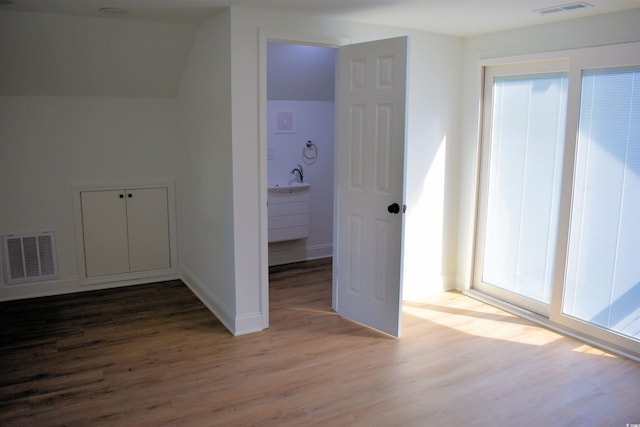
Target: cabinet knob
<point>129,195</point>
<point>121,196</point>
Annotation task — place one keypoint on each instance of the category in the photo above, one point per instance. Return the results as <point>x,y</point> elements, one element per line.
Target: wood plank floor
<point>153,355</point>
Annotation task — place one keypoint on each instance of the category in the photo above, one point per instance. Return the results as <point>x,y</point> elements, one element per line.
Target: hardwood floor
<point>153,355</point>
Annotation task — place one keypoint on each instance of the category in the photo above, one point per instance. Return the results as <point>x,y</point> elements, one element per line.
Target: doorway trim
<point>264,38</point>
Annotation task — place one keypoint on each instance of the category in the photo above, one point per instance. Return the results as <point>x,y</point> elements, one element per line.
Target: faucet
<point>300,172</point>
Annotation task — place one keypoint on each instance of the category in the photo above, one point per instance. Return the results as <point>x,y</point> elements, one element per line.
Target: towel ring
<point>310,151</point>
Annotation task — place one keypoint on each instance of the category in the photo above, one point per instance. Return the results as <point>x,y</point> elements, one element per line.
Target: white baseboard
<point>248,323</point>
<point>47,288</point>
<point>449,282</point>
<point>209,300</point>
<point>285,255</point>
<point>237,325</point>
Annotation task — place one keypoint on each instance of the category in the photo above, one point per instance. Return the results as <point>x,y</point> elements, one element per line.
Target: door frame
<point>264,38</point>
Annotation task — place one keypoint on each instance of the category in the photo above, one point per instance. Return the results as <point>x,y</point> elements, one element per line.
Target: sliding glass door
<point>559,204</point>
<point>522,181</point>
<point>602,281</point>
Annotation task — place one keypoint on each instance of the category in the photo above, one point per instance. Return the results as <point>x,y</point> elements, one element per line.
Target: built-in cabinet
<point>125,230</point>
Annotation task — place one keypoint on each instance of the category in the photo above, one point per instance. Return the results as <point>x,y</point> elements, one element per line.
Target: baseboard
<point>248,323</point>
<point>307,253</point>
<point>48,288</point>
<point>449,282</point>
<point>209,300</point>
<point>238,325</point>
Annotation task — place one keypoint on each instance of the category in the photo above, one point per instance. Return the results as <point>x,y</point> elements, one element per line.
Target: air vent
<point>563,8</point>
<point>29,257</point>
<point>112,10</point>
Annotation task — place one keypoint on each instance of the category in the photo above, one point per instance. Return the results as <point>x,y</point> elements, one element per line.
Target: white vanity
<point>288,211</point>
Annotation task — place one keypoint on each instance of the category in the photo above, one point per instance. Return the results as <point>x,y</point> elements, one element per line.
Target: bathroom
<point>300,149</point>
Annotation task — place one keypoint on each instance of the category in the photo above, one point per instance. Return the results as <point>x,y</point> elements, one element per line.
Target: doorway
<point>367,235</point>
<point>300,142</point>
<point>300,116</point>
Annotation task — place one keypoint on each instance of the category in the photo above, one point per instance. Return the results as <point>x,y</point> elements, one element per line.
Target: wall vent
<point>562,8</point>
<point>29,257</point>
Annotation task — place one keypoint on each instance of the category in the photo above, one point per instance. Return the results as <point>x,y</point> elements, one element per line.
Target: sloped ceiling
<point>58,55</point>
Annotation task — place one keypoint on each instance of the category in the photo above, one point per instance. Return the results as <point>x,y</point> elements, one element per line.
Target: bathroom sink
<point>288,187</point>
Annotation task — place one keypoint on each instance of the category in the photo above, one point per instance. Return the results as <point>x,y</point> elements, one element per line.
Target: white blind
<point>603,265</point>
<point>527,140</point>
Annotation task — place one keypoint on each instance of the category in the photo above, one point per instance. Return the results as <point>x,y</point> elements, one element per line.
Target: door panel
<point>356,244</point>
<point>369,177</point>
<point>383,235</point>
<point>356,147</point>
<point>384,118</point>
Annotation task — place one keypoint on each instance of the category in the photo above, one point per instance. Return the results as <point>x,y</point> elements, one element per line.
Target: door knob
<point>393,208</point>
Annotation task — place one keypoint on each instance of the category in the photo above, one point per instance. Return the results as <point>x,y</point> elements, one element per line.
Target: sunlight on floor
<point>587,349</point>
<point>483,321</point>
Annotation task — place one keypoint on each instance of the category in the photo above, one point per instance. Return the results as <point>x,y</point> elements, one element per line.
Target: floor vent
<point>29,257</point>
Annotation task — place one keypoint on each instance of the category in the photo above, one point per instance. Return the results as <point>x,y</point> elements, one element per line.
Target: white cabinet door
<point>104,226</point>
<point>125,231</point>
<point>148,229</point>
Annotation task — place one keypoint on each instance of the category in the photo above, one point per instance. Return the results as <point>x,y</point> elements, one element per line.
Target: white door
<point>370,123</point>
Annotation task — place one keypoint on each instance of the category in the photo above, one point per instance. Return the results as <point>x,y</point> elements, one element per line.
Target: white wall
<point>434,100</point>
<point>314,122</point>
<point>75,109</point>
<point>205,183</point>
<point>592,31</point>
<point>49,144</point>
<point>300,72</point>
<point>431,187</point>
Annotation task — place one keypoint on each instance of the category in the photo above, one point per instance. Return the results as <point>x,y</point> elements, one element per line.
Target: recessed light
<point>562,8</point>
<point>112,10</point>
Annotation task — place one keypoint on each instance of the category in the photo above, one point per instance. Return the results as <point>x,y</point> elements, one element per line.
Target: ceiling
<point>453,17</point>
